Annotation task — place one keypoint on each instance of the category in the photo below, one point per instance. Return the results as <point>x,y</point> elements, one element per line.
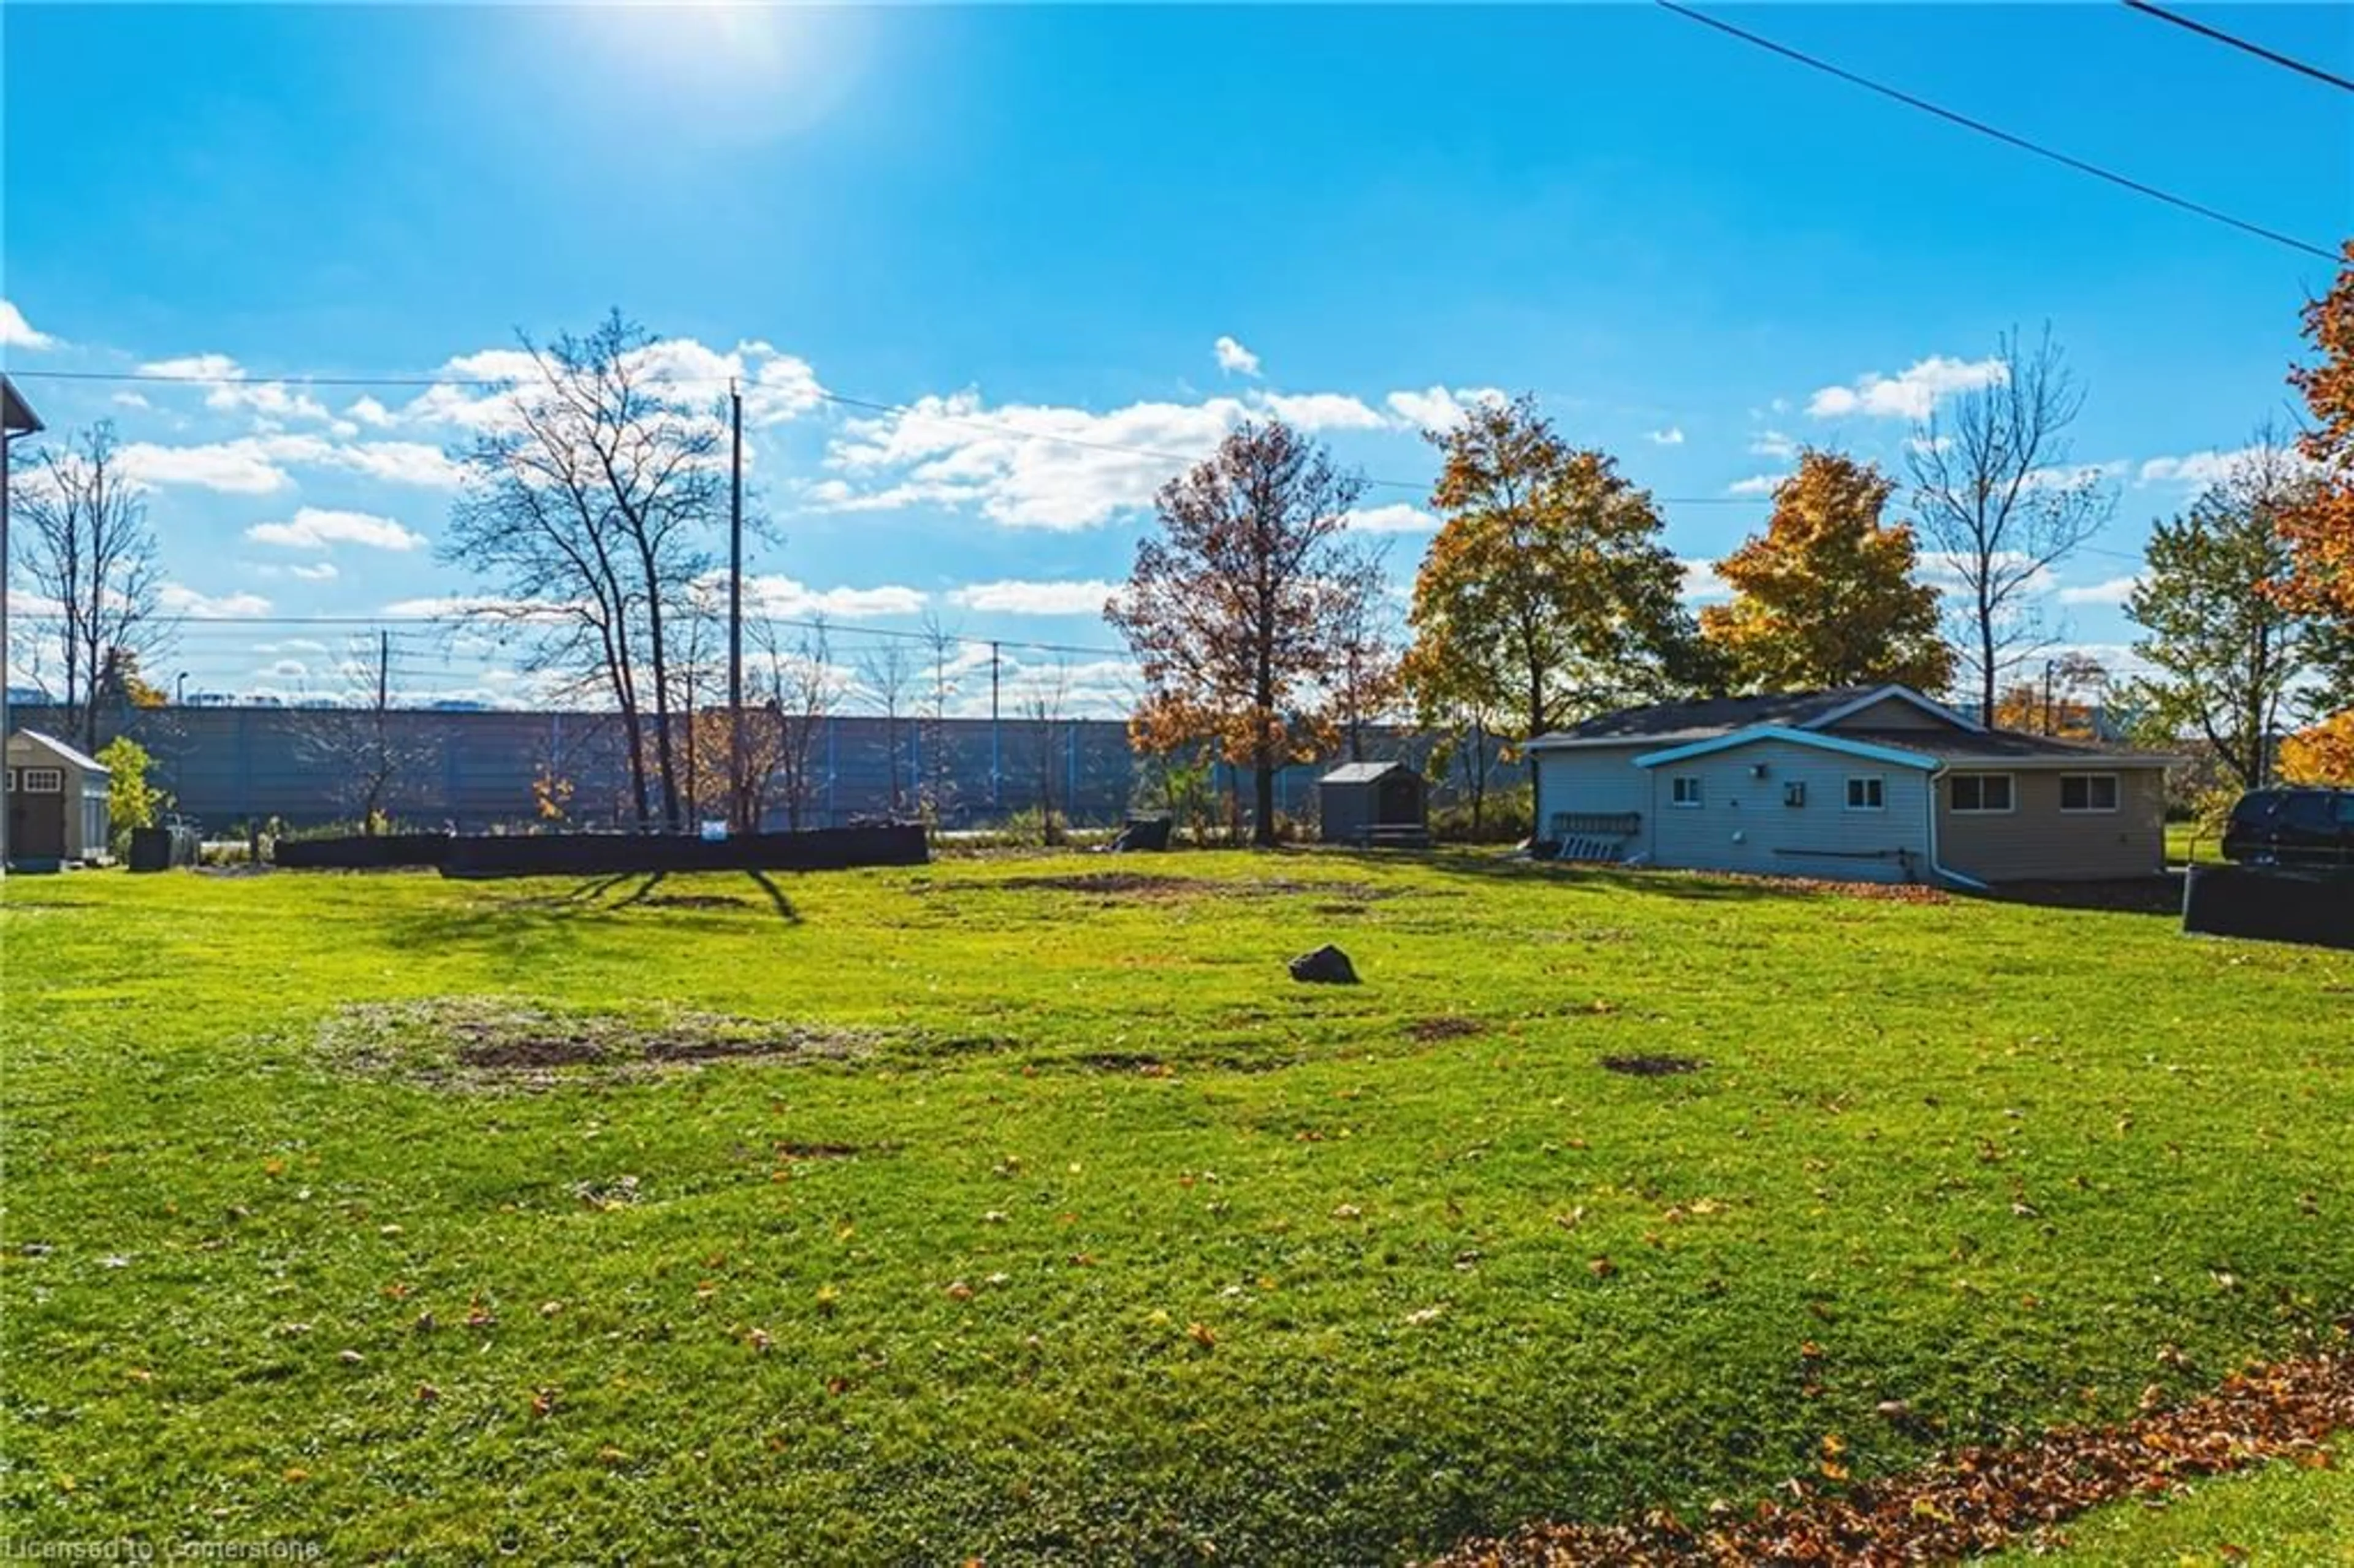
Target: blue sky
<point>1047,219</point>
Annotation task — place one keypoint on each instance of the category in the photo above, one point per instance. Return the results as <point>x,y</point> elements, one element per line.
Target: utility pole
<point>383,672</point>
<point>2047,696</point>
<point>996,788</point>
<point>736,808</point>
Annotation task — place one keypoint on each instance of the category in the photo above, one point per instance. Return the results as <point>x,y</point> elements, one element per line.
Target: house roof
<point>1870,750</point>
<point>1707,716</point>
<point>1363,772</point>
<point>61,750</point>
<point>2012,747</point>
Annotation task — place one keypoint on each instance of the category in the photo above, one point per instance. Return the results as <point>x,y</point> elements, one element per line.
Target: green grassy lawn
<point>2186,842</point>
<point>1068,1226</point>
<point>2277,1517</point>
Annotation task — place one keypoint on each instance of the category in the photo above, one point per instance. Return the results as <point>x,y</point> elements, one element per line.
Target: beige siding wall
<point>2038,841</point>
<point>1594,779</point>
<point>1892,713</point>
<point>1742,823</point>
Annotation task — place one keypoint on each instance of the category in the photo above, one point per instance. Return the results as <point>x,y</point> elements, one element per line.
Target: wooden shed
<point>56,802</point>
<point>1368,803</point>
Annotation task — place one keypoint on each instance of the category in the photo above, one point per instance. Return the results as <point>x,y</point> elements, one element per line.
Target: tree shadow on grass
<point>784,905</point>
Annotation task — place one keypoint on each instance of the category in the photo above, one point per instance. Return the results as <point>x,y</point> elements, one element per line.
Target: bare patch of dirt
<point>1446,1027</point>
<point>1125,1062</point>
<point>1152,887</point>
<point>1977,1501</point>
<point>1653,1066</point>
<point>487,1044</point>
<point>688,901</point>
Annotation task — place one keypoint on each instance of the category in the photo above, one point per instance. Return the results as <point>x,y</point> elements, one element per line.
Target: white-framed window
<point>2088,792</point>
<point>1683,789</point>
<point>1976,792</point>
<point>1867,792</point>
<point>44,780</point>
<point>12,780</point>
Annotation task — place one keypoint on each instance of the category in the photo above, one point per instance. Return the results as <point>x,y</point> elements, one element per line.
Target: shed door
<point>37,826</point>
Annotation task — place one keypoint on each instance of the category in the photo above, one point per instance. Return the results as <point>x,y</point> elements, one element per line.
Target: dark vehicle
<point>2292,827</point>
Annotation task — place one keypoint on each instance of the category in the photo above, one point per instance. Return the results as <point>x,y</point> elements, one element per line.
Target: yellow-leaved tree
<point>1547,594</point>
<point>1826,595</point>
<point>2322,754</point>
<point>2321,531</point>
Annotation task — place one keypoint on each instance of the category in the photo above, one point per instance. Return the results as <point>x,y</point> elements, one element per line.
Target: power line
<point>839,399</point>
<point>1983,129</point>
<point>2245,46</point>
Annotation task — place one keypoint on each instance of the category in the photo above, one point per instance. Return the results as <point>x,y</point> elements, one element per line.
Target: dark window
<point>2088,792</point>
<point>1982,791</point>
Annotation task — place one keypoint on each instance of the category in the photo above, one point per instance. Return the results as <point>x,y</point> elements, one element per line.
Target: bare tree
<point>886,671</point>
<point>1368,682</point>
<point>90,551</point>
<point>580,508</point>
<point>1996,495</point>
<point>799,689</point>
<point>1045,702</point>
<point>939,648</point>
<point>357,737</point>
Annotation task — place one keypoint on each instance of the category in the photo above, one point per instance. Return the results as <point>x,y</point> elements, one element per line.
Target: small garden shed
<point>57,801</point>
<point>1374,804</point>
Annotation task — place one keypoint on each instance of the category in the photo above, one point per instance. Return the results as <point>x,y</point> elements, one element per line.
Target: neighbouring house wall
<point>1742,823</point>
<point>1595,780</point>
<point>1892,713</point>
<point>2037,841</point>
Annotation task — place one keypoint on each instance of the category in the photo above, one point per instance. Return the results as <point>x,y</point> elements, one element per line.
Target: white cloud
<point>2116,590</point>
<point>1944,568</point>
<point>2200,469</point>
<point>1908,394</point>
<point>15,332</point>
<point>1773,444</point>
<point>402,463</point>
<point>130,400</point>
<point>315,529</point>
<point>195,367</point>
<point>1673,436</point>
<point>257,465</point>
<point>246,466</point>
<point>1436,409</point>
<point>1322,411</point>
<point>1700,582</point>
<point>2072,475</point>
<point>1023,465</point>
<point>1397,517</point>
<point>178,599</point>
<point>325,571</point>
<point>1233,358</point>
<point>776,386</point>
<point>787,599</point>
<point>1084,597</point>
<point>369,411</point>
<point>1756,484</point>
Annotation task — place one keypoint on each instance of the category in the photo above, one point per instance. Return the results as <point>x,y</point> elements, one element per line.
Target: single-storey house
<point>57,801</point>
<point>1866,784</point>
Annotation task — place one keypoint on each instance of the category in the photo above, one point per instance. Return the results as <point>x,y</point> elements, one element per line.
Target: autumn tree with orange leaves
<point>1547,593</point>
<point>1825,596</point>
<point>2320,532</point>
<point>1239,608</point>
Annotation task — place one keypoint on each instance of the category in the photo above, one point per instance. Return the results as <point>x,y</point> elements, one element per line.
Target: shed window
<point>2088,792</point>
<point>1867,793</point>
<point>44,780</point>
<point>1685,789</point>
<point>1981,792</point>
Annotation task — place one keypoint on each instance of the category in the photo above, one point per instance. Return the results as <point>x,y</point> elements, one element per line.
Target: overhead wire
<point>2233,40</point>
<point>2067,160</point>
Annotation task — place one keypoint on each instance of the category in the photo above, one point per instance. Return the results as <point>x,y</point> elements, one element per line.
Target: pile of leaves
<point>1976,1500</point>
